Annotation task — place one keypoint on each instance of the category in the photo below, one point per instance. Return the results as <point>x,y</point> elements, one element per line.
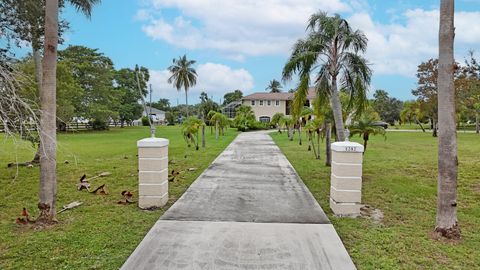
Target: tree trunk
<point>477,123</point>
<point>446,223</point>
<point>318,144</point>
<point>216,130</point>
<point>365,142</point>
<point>37,60</point>
<point>203,136</point>
<point>309,138</point>
<point>300,134</point>
<point>420,124</point>
<point>312,143</point>
<point>36,158</point>
<point>48,136</point>
<point>337,111</point>
<point>61,126</point>
<point>328,142</point>
<point>196,142</point>
<point>435,128</point>
<point>186,100</point>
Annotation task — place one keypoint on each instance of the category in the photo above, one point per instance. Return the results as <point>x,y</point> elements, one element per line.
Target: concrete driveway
<point>248,210</point>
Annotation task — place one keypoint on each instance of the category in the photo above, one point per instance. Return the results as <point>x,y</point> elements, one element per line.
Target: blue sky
<point>244,44</point>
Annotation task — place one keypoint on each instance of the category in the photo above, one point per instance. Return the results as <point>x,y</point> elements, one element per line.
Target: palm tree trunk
<point>300,134</point>
<point>477,122</point>
<point>420,124</point>
<point>309,135</point>
<point>312,142</point>
<point>186,100</point>
<point>203,136</point>
<point>216,130</point>
<point>196,141</point>
<point>365,141</point>
<point>37,60</point>
<point>318,144</point>
<point>337,111</point>
<point>446,223</point>
<point>328,142</point>
<point>48,136</point>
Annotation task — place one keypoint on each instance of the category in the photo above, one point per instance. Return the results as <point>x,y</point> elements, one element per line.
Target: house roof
<point>233,104</point>
<point>278,96</point>
<point>274,96</point>
<point>152,110</point>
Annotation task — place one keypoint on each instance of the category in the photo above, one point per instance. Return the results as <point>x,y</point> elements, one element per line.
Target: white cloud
<point>237,28</point>
<point>398,48</point>
<point>143,15</point>
<point>215,79</point>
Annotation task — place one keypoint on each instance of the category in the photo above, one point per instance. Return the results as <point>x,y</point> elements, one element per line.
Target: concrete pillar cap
<point>152,142</point>
<point>348,147</point>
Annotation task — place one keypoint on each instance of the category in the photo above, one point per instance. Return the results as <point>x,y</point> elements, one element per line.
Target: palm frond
<point>84,6</point>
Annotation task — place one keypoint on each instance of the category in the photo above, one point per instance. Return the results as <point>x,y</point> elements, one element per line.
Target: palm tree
<point>331,51</point>
<point>274,86</point>
<point>313,129</point>
<point>48,136</point>
<point>244,117</point>
<point>328,143</point>
<point>183,75</point>
<point>366,127</point>
<point>447,223</point>
<point>276,120</point>
<point>289,122</point>
<point>302,120</point>
<point>220,120</point>
<point>412,111</point>
<point>190,128</point>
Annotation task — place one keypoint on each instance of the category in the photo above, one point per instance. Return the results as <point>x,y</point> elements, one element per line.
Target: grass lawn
<point>400,178</point>
<point>412,126</point>
<point>100,234</point>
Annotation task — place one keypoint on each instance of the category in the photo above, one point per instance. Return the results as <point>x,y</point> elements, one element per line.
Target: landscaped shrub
<point>145,121</point>
<point>170,117</point>
<point>98,124</point>
<point>257,125</point>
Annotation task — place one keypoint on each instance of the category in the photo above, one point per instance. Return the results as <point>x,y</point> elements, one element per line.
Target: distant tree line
<point>89,88</point>
<point>423,111</point>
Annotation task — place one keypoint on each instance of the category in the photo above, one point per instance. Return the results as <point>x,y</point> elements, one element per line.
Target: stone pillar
<point>346,178</point>
<point>152,172</point>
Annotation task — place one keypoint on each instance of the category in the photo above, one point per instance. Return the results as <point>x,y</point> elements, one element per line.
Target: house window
<point>277,102</point>
<point>261,102</point>
<point>264,119</point>
<point>253,102</point>
<point>269,102</point>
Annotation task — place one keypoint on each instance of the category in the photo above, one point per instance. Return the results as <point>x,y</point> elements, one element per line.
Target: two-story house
<point>265,105</point>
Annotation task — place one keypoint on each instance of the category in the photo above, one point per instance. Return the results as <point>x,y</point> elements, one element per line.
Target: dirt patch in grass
<point>476,188</point>
<point>375,215</point>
